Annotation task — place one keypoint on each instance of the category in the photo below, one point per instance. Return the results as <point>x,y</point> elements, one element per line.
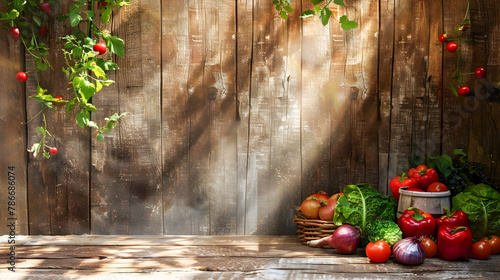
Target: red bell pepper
<point>424,176</point>
<point>454,242</point>
<point>414,222</point>
<point>399,182</point>
<point>458,218</point>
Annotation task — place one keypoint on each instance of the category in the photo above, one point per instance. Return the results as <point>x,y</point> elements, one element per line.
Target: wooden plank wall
<point>235,115</point>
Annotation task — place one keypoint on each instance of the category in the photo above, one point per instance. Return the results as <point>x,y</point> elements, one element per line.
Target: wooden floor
<point>212,257</point>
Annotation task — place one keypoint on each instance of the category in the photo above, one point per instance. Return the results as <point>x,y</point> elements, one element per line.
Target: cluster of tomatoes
<point>420,179</point>
<point>320,206</point>
<point>451,47</point>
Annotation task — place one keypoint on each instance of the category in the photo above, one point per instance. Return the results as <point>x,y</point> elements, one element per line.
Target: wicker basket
<point>308,229</point>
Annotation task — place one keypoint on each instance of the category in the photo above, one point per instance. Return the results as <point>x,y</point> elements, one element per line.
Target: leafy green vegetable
<point>481,203</point>
<point>362,204</point>
<point>385,230</point>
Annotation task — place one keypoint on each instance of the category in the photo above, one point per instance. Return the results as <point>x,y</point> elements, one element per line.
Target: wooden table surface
<point>212,257</point>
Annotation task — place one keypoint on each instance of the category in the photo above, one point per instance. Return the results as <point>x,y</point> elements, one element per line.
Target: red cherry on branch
<point>443,37</point>
<point>53,150</point>
<point>42,31</point>
<point>452,47</point>
<point>100,48</point>
<point>14,32</point>
<point>480,73</point>
<point>464,91</point>
<point>45,7</point>
<point>22,77</point>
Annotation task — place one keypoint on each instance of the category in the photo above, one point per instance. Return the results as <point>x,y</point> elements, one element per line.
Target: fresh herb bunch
<point>456,173</point>
<point>86,68</point>
<point>324,12</point>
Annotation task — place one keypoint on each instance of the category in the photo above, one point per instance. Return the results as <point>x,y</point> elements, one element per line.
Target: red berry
<point>22,77</point>
<point>53,150</point>
<point>42,31</point>
<point>14,32</point>
<point>480,73</point>
<point>103,3</point>
<point>45,7</point>
<point>443,37</point>
<point>464,91</point>
<point>452,46</point>
<point>100,48</point>
<point>58,97</point>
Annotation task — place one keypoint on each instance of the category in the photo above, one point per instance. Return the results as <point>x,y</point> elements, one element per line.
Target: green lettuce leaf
<point>481,203</point>
<point>362,204</point>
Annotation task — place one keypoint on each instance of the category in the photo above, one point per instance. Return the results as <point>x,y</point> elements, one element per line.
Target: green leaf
<point>19,5</point>
<point>74,19</point>
<point>61,18</point>
<point>325,15</point>
<point>106,15</point>
<point>11,15</point>
<point>288,9</point>
<point>98,72</point>
<point>107,65</point>
<point>454,90</point>
<point>82,118</point>
<point>339,2</point>
<point>40,90</point>
<point>278,7</point>
<point>40,130</point>
<point>90,14</point>
<point>98,86</point>
<point>77,83</point>
<point>90,108</point>
<point>87,90</point>
<point>316,2</point>
<point>284,15</point>
<point>46,155</point>
<point>37,20</point>
<point>100,137</point>
<point>275,2</point>
<point>347,24</point>
<point>307,14</point>
<point>40,65</point>
<point>77,52</point>
<point>116,45</point>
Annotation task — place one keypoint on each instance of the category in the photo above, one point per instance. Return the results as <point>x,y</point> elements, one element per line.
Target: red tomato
<point>481,250</point>
<point>321,195</point>
<point>100,48</point>
<point>378,252</point>
<point>464,91</point>
<point>53,150</point>
<point>43,31</point>
<point>494,242</point>
<point>22,77</point>
<point>310,208</point>
<point>452,47</point>
<point>480,73</point>
<point>437,187</point>
<point>430,247</point>
<point>443,37</point>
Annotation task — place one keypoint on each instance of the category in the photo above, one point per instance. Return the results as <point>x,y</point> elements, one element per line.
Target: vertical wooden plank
<point>219,87</point>
<point>315,120</point>
<point>415,114</point>
<point>13,161</point>
<point>58,187</point>
<point>175,117</point>
<point>385,75</point>
<point>244,56</point>
<point>127,197</point>
<point>485,112</point>
<point>355,109</point>
<point>285,129</point>
<point>456,115</point>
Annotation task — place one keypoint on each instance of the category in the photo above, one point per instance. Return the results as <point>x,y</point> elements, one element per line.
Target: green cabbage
<point>481,203</point>
<point>362,204</point>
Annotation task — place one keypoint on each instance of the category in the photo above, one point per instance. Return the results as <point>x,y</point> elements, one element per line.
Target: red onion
<point>344,239</point>
<point>409,251</point>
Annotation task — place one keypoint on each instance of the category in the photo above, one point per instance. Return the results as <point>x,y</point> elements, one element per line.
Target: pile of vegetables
<point>367,218</point>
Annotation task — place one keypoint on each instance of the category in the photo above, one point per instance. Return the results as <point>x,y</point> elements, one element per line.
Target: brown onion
<point>409,251</point>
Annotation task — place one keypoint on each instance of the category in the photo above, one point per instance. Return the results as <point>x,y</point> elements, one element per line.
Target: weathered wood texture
<point>215,257</point>
<point>235,115</point>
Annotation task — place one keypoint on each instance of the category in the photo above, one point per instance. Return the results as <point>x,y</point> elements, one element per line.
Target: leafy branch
<point>322,11</point>
<point>86,65</point>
